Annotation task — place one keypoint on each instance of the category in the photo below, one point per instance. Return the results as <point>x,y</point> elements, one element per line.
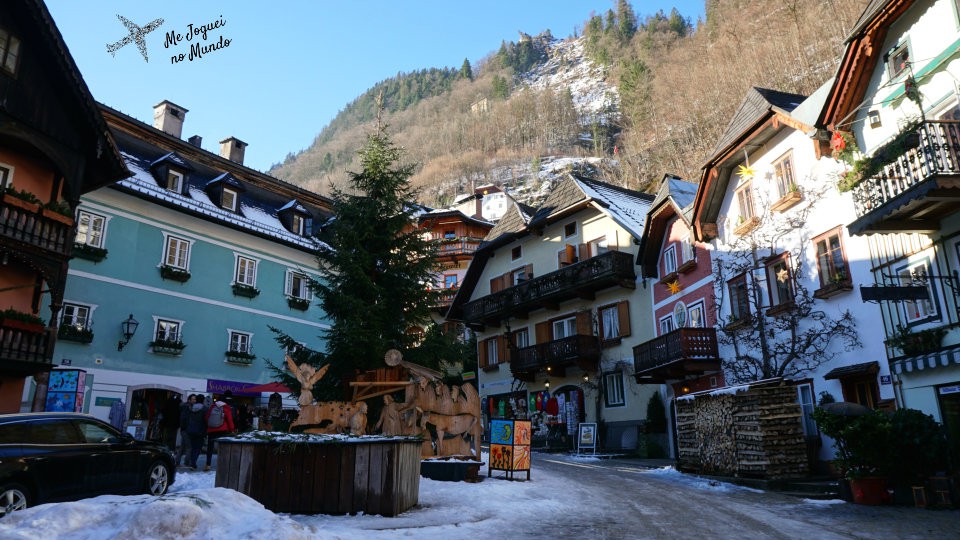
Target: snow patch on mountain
<point>568,67</point>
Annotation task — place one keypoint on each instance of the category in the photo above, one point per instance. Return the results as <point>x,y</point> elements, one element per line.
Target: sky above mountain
<point>274,74</point>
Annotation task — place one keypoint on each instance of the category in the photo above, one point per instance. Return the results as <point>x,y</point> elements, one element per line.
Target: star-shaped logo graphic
<point>137,34</point>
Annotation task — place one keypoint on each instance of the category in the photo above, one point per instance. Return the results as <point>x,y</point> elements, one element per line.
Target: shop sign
<point>953,389</point>
<point>587,437</point>
<point>215,386</point>
<point>885,379</point>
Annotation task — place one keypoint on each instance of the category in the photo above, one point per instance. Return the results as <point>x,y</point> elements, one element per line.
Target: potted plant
<point>239,357</point>
<point>22,199</point>
<point>91,253</point>
<point>174,274</point>
<point>918,450</point>
<point>862,443</point>
<point>11,318</point>
<point>168,345</point>
<point>298,303</point>
<point>242,289</point>
<point>75,332</point>
<point>913,343</point>
<point>59,211</point>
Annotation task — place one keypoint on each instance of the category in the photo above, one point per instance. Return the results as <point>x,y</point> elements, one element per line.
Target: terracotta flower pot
<point>870,490</point>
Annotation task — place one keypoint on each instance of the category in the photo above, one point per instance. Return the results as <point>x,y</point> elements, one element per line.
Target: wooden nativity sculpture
<point>344,416</point>
<point>453,412</point>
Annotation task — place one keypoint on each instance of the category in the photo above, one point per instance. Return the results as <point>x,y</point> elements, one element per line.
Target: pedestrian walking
<point>196,428</point>
<point>219,419</point>
<point>170,421</point>
<point>183,451</point>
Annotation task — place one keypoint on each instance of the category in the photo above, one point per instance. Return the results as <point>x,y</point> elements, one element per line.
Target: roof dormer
<point>224,191</point>
<point>171,171</point>
<point>296,218</point>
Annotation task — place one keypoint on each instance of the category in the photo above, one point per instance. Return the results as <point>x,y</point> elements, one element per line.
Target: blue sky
<point>289,69</point>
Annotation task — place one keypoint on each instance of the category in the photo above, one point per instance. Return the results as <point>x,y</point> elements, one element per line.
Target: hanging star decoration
<point>783,275</point>
<point>674,287</point>
<point>746,172</point>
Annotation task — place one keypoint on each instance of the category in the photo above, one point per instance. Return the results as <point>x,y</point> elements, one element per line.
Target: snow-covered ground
<point>195,509</point>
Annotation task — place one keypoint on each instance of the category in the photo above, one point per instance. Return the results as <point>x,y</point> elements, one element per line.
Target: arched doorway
<point>146,403</point>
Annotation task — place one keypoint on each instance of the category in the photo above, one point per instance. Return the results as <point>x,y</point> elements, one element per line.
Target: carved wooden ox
<point>344,416</point>
<point>454,424</point>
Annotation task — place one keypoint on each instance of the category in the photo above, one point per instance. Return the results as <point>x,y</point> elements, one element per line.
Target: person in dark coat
<point>214,432</point>
<point>196,428</point>
<point>170,421</point>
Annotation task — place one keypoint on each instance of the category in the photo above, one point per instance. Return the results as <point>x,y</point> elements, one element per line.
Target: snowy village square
<point>651,270</point>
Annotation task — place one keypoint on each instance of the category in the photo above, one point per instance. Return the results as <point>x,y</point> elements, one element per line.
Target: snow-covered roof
<point>627,207</point>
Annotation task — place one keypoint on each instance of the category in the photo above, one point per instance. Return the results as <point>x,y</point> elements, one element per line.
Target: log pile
<point>755,432</point>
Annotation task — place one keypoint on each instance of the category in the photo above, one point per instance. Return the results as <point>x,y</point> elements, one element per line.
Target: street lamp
<point>128,328</point>
<point>546,384</point>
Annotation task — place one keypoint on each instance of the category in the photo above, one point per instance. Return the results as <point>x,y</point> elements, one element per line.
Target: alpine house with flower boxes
<point>205,254</point>
<point>54,146</point>
<point>554,300</point>
<point>893,110</point>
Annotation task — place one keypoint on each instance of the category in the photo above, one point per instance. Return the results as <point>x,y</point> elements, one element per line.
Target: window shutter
<point>288,286</point>
<point>543,332</point>
<point>571,253</point>
<point>528,271</point>
<point>584,325</point>
<point>482,352</point>
<point>495,284</point>
<point>583,251</point>
<point>623,314</point>
<point>501,349</point>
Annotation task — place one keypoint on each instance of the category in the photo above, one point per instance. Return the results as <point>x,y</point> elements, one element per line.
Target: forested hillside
<point>652,91</point>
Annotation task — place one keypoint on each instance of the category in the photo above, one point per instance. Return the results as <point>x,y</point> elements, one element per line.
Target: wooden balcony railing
<point>34,227</point>
<point>25,351</point>
<point>934,152</point>
<point>461,246</point>
<point>596,273</point>
<point>697,345</point>
<point>445,299</point>
<point>579,350</point>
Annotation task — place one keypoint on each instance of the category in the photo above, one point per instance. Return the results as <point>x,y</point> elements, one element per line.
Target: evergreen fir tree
<point>466,72</point>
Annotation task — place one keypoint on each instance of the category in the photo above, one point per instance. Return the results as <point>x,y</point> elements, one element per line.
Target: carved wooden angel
<point>308,376</point>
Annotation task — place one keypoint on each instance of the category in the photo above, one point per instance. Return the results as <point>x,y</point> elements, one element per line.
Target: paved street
<point>618,498</point>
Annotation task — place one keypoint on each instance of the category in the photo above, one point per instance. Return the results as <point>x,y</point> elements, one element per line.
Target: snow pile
<point>568,67</point>
<point>677,477</point>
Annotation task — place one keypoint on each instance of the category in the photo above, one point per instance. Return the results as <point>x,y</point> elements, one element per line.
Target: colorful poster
<point>61,402</point>
<point>501,457</point>
<point>501,432</point>
<point>521,433</point>
<point>62,380</point>
<point>521,458</point>
<point>587,436</point>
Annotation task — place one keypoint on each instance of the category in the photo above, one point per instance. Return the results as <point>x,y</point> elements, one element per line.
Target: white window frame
<point>176,335</point>
<point>84,236</point>
<point>521,338</point>
<point>784,173</point>
<point>610,321</point>
<point>168,240</point>
<point>805,399</point>
<point>893,72</point>
<point>87,321</point>
<point>669,260</point>
<point>6,175</point>
<point>174,181</point>
<point>303,292</point>
<point>238,264</point>
<point>234,196</point>
<point>236,338</point>
<point>565,327</point>
<point>298,224</point>
<point>745,202</point>
<point>493,355</point>
<point>613,394</point>
<point>919,311</point>
<point>696,312</point>
<point>666,324</point>
<point>598,246</point>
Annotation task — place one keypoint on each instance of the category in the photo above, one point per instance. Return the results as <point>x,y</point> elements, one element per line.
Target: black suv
<point>47,457</point>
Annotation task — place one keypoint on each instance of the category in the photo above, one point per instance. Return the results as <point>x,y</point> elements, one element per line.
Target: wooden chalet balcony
<point>458,247</point>
<point>445,299</point>
<point>25,352</point>
<point>676,355</point>
<point>582,351</point>
<point>919,186</point>
<point>31,228</point>
<point>580,279</point>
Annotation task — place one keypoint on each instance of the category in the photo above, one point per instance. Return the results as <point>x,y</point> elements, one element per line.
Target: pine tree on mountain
<point>376,267</point>
<point>626,21</point>
<point>466,72</point>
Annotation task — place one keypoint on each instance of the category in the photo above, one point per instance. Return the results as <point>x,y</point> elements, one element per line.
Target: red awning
<point>268,387</point>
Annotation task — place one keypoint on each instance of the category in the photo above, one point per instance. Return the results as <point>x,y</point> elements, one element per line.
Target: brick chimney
<point>168,117</point>
<point>196,140</point>
<point>232,148</point>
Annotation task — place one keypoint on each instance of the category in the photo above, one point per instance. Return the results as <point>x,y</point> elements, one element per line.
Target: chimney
<point>195,140</point>
<point>232,149</point>
<point>168,117</point>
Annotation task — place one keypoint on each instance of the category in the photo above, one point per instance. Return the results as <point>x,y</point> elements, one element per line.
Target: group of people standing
<point>195,420</point>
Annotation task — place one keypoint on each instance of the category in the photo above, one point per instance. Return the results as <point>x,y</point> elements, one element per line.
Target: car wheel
<point>12,497</point>
<point>158,478</point>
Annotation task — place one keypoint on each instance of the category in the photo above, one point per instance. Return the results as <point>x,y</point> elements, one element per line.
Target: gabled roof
<point>453,214</point>
<point>674,198</point>
<point>761,115</point>
<point>626,207</point>
<point>174,159</point>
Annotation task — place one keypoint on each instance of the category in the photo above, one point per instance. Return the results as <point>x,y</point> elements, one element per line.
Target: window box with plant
<point>74,332</point>
<point>11,318</point>
<point>745,225</point>
<point>791,198</point>
<point>21,199</point>
<point>240,357</point>
<point>174,274</point>
<point>167,346</point>
<point>920,342</point>
<point>247,291</point>
<point>59,211</point>
<point>737,323</point>
<point>839,283</point>
<point>298,303</point>
<point>88,252</point>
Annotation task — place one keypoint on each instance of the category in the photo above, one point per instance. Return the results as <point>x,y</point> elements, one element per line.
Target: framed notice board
<point>509,447</point>
<point>587,437</point>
